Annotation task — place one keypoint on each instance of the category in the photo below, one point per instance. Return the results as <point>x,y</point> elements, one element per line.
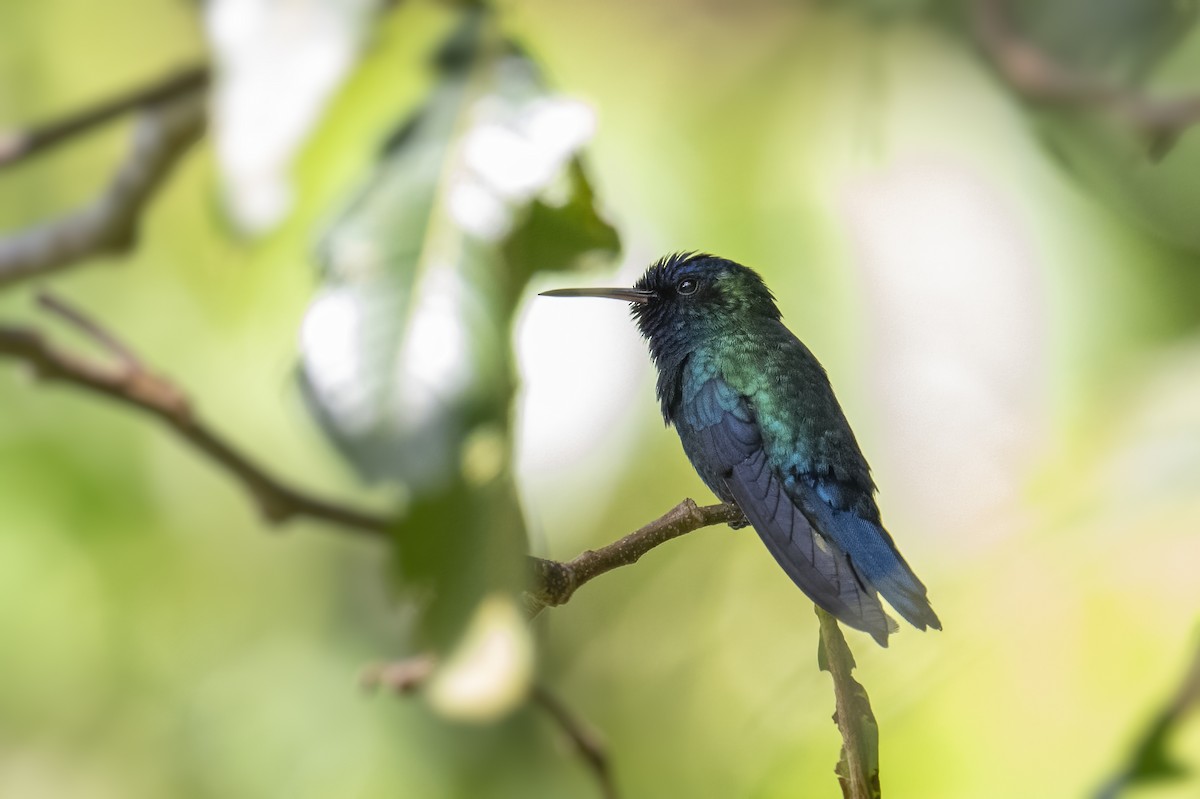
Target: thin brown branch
<point>556,581</point>
<point>587,745</point>
<point>128,383</point>
<point>85,325</point>
<point>110,223</point>
<point>19,145</point>
<point>1039,77</point>
<point>858,766</point>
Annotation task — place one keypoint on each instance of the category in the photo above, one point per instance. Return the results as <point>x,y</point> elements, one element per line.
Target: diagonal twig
<point>89,328</point>
<point>109,223</point>
<point>19,145</point>
<point>129,383</point>
<point>588,746</point>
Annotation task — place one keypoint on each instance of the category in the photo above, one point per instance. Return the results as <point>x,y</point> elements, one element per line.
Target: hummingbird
<point>759,422</point>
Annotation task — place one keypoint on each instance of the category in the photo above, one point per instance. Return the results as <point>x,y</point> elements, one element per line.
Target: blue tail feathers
<point>873,555</point>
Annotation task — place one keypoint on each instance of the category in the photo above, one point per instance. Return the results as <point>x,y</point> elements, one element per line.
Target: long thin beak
<point>628,295</point>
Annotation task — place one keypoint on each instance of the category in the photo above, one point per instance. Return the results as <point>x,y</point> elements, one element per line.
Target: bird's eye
<point>687,286</point>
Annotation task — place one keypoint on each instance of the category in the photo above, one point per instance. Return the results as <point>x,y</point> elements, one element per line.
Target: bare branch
<point>89,328</point>
<point>1037,76</point>
<point>858,766</point>
<point>556,582</point>
<point>110,223</point>
<point>19,145</point>
<point>587,745</point>
<point>132,385</point>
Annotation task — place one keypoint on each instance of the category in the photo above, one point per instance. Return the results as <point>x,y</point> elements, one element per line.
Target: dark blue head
<point>698,294</point>
<point>685,301</point>
<point>690,296</point>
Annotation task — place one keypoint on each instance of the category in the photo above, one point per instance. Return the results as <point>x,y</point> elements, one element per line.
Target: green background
<point>1016,348</point>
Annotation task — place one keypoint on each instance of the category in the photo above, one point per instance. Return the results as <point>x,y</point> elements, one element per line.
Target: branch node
<point>555,581</point>
<point>401,676</point>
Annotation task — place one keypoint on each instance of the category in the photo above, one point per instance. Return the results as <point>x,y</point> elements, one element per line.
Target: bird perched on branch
<point>760,424</point>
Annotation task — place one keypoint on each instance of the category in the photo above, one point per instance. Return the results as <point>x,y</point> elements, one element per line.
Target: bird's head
<point>690,294</point>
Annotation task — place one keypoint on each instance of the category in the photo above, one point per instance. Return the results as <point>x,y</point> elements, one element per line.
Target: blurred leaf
<point>400,348</point>
<point>1151,760</point>
<point>460,544</point>
<point>1125,58</point>
<point>1111,162</point>
<point>1122,40</point>
<point>556,236</point>
<point>406,347</point>
<point>405,352</point>
<point>490,670</point>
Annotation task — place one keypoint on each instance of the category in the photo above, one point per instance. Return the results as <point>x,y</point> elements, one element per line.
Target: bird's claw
<point>740,522</point>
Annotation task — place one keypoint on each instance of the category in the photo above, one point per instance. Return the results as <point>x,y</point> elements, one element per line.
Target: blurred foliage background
<point>1002,282</point>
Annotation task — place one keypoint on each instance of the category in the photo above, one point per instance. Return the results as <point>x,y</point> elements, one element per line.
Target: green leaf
<point>558,237</point>
<point>406,351</point>
<point>1151,760</point>
<point>457,546</point>
<point>404,347</point>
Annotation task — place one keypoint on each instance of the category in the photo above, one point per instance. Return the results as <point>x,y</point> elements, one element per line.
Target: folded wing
<point>724,442</point>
